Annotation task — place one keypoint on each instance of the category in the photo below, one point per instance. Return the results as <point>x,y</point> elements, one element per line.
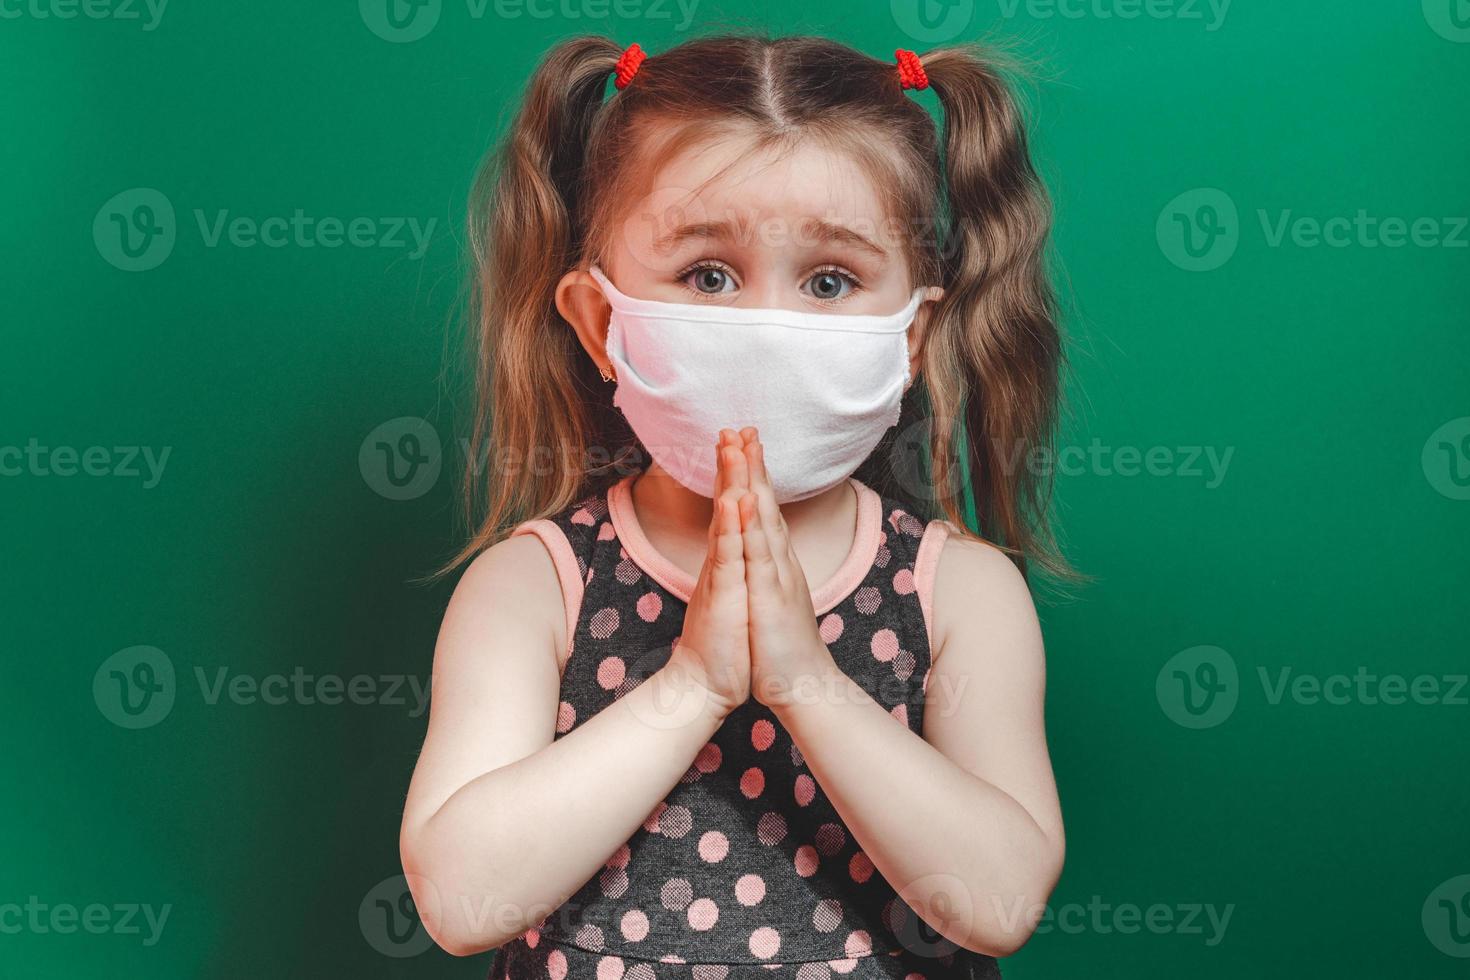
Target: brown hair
<point>978,220</point>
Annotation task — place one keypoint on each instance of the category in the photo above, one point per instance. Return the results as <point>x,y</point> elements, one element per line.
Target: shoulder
<point>510,594</point>
<point>976,589</point>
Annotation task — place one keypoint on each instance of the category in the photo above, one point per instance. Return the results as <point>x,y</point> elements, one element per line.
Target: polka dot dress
<point>745,870</point>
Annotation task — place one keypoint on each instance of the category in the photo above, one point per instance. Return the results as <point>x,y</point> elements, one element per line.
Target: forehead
<point>732,179</point>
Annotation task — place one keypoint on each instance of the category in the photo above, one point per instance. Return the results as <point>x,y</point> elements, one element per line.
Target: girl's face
<point>798,230</point>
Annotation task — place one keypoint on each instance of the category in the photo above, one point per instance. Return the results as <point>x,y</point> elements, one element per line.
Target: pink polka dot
<point>830,838</point>
<point>707,971</point>
<point>634,925</point>
<point>750,889</point>
<point>611,671</point>
<point>676,894</point>
<point>843,966</point>
<point>566,717</point>
<point>885,644</point>
<point>900,713</point>
<point>606,532</point>
<point>860,867</point>
<point>827,915</point>
<point>806,789</point>
<point>830,628</point>
<point>764,942</point>
<point>752,782</point>
<point>867,600</point>
<point>590,937</point>
<point>770,828</point>
<point>859,943</point>
<point>609,968</point>
<point>556,964</point>
<point>583,516</point>
<point>640,971</point>
<point>762,735</point>
<point>604,623</point>
<point>650,823</point>
<point>650,604</point>
<point>676,821</point>
<point>806,860</point>
<point>713,846</point>
<point>619,858</point>
<point>708,758</point>
<point>627,572</point>
<point>614,882</point>
<point>903,581</point>
<point>703,913</point>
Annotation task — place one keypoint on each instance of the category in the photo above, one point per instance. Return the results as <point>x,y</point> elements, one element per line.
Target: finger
<point>772,519</point>
<point>737,470</point>
<point>727,559</point>
<point>760,567</point>
<point>721,481</point>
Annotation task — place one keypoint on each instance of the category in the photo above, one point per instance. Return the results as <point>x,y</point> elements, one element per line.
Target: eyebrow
<point>821,231</point>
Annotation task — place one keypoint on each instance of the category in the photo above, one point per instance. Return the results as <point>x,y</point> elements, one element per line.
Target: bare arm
<point>975,846</point>
<point>502,823</point>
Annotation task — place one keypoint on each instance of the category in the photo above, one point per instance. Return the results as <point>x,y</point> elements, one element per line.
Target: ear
<point>580,302</point>
<point>917,329</point>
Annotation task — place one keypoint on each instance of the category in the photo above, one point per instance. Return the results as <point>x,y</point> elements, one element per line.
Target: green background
<point>1334,543</point>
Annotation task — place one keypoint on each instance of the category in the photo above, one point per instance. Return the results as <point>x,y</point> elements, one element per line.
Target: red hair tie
<point>627,65</point>
<point>910,71</point>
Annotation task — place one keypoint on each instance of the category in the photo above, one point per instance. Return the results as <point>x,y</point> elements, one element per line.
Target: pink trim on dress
<point>849,575</point>
<point>568,572</point>
<point>926,567</point>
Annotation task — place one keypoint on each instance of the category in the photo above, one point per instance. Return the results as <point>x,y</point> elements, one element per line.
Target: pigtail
<point>996,357</point>
<point>531,417</point>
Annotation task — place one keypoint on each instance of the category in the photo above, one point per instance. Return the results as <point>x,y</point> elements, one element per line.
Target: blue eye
<point>827,284</point>
<point>707,279</point>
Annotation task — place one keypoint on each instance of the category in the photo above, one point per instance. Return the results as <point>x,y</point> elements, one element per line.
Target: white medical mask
<point>821,388</point>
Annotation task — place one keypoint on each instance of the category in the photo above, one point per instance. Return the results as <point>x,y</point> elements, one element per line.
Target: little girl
<point>728,688</point>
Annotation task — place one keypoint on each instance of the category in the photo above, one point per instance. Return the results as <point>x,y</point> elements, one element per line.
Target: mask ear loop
<point>602,280</point>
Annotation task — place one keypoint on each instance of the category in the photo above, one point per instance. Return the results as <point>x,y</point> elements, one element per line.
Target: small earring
<point>606,375</point>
